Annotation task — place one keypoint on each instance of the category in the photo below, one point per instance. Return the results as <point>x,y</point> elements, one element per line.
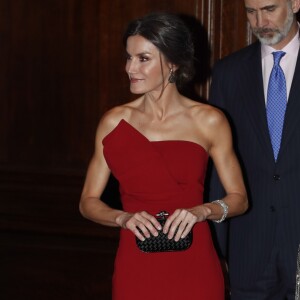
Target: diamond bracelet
<point>225,210</point>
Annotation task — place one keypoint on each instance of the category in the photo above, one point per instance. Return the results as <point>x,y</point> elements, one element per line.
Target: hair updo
<point>171,36</point>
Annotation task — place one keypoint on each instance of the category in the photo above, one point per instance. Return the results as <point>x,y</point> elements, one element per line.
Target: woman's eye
<point>144,59</point>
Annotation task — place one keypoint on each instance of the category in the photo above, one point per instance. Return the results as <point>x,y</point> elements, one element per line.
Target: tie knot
<point>277,57</point>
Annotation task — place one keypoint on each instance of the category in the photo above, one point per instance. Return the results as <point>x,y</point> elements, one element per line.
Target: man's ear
<point>295,6</point>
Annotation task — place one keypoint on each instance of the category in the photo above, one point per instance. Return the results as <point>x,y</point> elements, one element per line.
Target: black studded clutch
<point>161,243</point>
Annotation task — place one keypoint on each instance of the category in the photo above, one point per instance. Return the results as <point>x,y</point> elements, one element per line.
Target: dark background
<point>61,68</point>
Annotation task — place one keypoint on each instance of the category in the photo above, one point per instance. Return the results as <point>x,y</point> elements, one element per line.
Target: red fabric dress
<point>156,176</point>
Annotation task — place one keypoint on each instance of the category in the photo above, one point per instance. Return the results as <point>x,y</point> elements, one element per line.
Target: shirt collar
<point>291,48</point>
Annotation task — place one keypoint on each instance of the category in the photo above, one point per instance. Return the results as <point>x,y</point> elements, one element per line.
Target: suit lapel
<point>254,99</point>
<point>293,109</point>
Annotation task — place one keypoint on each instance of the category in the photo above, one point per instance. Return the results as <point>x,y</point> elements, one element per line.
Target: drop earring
<point>172,77</point>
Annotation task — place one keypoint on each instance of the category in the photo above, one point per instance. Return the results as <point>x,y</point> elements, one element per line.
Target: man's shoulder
<point>238,57</point>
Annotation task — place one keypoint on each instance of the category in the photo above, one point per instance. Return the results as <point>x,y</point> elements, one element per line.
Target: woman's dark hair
<point>171,36</point>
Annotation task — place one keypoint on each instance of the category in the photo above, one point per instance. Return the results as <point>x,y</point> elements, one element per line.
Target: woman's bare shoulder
<point>207,114</point>
<point>112,117</point>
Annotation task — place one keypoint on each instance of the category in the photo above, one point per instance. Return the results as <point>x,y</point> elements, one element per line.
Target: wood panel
<point>35,266</point>
<point>62,67</point>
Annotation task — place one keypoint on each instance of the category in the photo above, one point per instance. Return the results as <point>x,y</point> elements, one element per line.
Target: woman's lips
<point>134,80</point>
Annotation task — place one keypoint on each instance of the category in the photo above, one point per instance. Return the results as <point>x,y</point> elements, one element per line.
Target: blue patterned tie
<point>276,102</point>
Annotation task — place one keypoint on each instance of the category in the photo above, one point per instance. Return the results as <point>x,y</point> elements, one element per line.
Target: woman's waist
<point>153,203</point>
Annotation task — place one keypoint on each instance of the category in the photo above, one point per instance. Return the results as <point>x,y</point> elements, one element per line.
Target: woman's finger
<point>170,220</point>
<point>141,224</point>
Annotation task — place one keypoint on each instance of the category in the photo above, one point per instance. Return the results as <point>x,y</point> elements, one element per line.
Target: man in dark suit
<point>262,248</point>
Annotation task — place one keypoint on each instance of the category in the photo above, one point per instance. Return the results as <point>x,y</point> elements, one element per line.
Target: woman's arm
<point>228,168</point>
<point>93,208</point>
<point>216,133</point>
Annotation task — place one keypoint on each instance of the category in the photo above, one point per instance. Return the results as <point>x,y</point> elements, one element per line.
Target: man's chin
<point>269,39</point>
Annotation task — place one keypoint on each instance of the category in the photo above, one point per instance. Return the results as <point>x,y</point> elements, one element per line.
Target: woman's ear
<point>173,67</point>
<point>172,75</point>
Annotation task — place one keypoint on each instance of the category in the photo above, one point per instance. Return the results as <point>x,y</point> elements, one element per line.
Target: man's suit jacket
<point>273,188</point>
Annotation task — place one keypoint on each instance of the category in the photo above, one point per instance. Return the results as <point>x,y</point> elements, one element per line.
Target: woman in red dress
<point>157,146</point>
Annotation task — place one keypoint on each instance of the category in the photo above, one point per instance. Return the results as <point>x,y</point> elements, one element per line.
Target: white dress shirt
<point>287,63</point>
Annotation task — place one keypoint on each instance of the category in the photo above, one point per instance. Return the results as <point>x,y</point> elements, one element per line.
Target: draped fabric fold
<point>145,172</point>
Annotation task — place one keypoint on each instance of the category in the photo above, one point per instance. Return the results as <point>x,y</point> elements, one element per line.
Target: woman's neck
<point>163,106</point>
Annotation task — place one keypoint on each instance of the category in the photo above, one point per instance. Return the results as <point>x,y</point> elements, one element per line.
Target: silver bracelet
<point>225,210</point>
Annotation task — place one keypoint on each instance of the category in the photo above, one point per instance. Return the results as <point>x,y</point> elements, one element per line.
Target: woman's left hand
<point>184,220</point>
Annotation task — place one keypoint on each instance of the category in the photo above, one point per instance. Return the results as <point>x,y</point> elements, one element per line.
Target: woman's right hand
<point>147,223</point>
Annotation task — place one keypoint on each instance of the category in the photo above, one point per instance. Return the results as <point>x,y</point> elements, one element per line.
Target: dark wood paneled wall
<point>62,67</point>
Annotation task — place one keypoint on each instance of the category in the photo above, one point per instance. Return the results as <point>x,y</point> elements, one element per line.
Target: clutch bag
<point>161,243</point>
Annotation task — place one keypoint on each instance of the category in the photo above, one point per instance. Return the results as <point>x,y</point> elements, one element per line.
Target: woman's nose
<point>131,66</point>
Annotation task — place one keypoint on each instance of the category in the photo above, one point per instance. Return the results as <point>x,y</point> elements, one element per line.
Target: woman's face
<point>146,66</point>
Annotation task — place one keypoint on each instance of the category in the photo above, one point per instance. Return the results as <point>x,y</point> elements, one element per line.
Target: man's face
<point>271,20</point>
